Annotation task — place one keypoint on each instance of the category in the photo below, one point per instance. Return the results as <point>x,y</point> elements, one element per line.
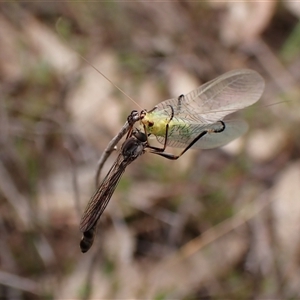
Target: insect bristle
<point>96,69</point>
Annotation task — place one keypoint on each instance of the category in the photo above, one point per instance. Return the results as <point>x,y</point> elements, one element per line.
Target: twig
<point>16,200</point>
<point>19,283</point>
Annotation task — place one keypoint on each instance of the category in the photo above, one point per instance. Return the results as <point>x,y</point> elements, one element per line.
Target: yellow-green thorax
<point>155,122</point>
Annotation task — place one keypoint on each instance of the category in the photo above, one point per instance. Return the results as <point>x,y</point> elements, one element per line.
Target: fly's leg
<point>153,109</point>
<point>195,140</point>
<point>180,98</point>
<point>221,129</point>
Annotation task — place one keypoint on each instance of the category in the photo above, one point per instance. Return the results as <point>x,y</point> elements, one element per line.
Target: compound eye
<point>150,124</point>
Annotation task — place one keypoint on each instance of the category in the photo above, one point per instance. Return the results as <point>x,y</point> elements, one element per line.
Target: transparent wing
<point>98,203</point>
<point>233,129</point>
<point>215,99</point>
<point>101,197</point>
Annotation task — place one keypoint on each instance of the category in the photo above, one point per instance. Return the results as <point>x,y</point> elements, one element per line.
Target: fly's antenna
<point>276,103</point>
<point>90,64</point>
<point>98,71</point>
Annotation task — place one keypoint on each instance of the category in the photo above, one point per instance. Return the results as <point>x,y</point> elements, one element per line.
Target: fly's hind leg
<point>180,98</point>
<point>194,141</point>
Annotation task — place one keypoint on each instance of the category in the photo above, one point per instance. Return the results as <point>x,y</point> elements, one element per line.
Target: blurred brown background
<point>217,224</point>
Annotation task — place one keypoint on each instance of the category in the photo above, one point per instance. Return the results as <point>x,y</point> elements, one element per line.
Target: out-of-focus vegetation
<point>217,224</point>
